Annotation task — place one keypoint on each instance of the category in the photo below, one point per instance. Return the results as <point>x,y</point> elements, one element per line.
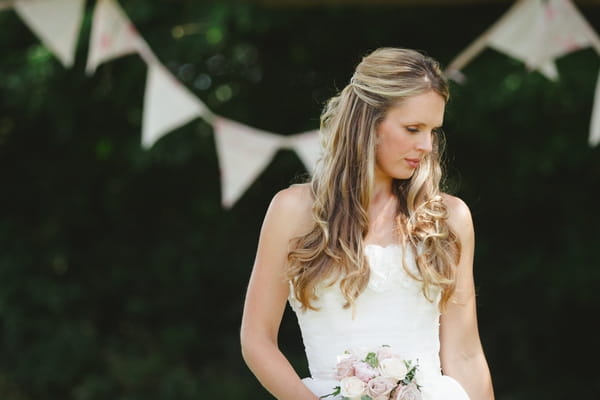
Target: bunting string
<point>536,32</point>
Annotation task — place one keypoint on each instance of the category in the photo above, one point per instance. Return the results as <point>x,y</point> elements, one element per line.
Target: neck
<point>382,188</point>
<point>382,214</point>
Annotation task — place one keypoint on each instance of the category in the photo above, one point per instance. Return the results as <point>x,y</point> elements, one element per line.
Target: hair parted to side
<point>343,181</point>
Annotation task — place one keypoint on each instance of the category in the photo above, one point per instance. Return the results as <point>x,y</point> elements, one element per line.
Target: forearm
<point>273,370</point>
<point>474,375</point>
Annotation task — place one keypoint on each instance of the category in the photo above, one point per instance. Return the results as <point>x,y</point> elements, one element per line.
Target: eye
<point>412,129</point>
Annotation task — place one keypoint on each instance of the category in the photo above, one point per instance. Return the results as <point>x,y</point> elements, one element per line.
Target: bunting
<point>60,31</point>
<point>594,138</point>
<point>167,105</point>
<point>307,146</point>
<point>113,35</point>
<point>243,152</point>
<point>537,32</point>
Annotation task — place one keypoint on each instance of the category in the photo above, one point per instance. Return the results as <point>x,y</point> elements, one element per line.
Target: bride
<point>371,253</point>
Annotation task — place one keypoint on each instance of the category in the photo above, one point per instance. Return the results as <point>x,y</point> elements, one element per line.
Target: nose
<point>425,142</point>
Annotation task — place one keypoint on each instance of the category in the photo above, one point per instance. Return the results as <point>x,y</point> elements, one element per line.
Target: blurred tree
<point>122,277</point>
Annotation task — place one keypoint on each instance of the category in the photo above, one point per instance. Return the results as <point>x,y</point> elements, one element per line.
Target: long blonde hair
<point>343,181</point>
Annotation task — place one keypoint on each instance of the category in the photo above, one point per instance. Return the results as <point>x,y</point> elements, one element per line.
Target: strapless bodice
<point>391,311</point>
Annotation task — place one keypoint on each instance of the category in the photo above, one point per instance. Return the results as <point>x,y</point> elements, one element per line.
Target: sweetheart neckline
<point>384,247</point>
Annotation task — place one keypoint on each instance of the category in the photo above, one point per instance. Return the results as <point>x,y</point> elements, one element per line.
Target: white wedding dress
<point>391,311</point>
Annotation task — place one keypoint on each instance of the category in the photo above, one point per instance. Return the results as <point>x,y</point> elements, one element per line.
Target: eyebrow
<point>420,124</point>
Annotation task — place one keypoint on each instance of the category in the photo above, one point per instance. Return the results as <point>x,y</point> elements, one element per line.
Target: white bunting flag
<point>113,35</point>
<point>536,32</point>
<point>168,104</point>
<point>244,152</point>
<point>566,30</point>
<point>522,35</point>
<point>594,138</point>
<point>308,147</point>
<point>55,22</point>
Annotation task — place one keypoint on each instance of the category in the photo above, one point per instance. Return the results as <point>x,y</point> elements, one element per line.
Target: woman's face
<point>405,135</point>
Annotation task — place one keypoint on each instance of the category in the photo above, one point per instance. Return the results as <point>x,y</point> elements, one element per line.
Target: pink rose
<point>407,392</point>
<point>345,368</point>
<point>379,388</point>
<point>363,371</point>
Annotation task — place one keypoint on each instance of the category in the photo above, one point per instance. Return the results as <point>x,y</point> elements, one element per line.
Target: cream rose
<point>352,387</point>
<point>393,368</point>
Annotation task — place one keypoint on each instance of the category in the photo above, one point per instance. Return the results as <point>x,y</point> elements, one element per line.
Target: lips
<point>413,162</point>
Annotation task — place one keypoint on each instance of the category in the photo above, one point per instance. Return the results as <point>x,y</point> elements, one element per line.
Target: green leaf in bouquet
<point>372,360</point>
<point>412,370</point>
<point>336,391</point>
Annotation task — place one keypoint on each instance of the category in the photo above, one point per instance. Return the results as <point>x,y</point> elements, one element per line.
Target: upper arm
<point>459,335</point>
<point>288,216</point>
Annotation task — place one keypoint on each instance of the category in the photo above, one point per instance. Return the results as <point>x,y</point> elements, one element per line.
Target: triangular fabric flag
<point>113,35</point>
<point>307,146</point>
<point>481,42</point>
<point>521,35</point>
<point>168,104</point>
<point>594,138</point>
<point>519,31</point>
<point>566,30</point>
<point>536,32</point>
<point>244,152</point>
<point>55,22</point>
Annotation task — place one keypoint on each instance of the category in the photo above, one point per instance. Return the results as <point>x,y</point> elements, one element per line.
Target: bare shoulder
<point>292,207</point>
<point>459,215</point>
<point>296,200</point>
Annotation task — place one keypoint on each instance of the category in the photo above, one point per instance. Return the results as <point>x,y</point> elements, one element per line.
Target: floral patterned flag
<point>243,152</point>
<point>536,32</point>
<point>168,104</point>
<point>522,35</point>
<point>113,35</point>
<point>566,30</point>
<point>55,22</point>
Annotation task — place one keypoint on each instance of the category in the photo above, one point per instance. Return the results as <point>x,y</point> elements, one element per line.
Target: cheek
<point>384,150</point>
<point>393,142</point>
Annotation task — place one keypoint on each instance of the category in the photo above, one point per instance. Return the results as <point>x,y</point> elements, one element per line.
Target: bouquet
<point>379,375</point>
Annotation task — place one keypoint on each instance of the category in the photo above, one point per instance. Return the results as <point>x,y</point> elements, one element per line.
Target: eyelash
<point>436,131</point>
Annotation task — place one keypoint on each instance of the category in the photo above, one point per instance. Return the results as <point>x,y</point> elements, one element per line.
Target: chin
<point>404,176</point>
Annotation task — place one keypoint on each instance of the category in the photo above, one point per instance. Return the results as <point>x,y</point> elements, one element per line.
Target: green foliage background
<point>121,276</point>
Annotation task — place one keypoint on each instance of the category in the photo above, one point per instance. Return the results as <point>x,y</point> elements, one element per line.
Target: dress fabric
<point>391,311</point>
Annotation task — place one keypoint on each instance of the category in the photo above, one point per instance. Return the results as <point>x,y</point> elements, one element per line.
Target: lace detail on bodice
<point>387,271</point>
<point>392,311</point>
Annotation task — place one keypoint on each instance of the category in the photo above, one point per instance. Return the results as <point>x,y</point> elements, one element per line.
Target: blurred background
<point>122,275</point>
